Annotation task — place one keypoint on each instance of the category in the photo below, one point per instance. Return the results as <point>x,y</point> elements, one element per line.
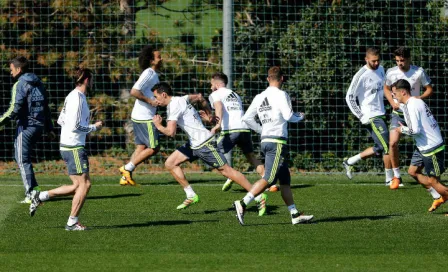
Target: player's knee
<point>412,173</point>
<point>169,164</point>
<point>393,144</point>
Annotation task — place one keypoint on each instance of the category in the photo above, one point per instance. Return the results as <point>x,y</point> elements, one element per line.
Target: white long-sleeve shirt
<point>74,120</point>
<point>233,110</point>
<point>274,110</point>
<point>367,87</point>
<point>422,125</point>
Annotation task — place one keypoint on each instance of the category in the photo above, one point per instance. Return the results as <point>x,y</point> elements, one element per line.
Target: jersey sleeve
<point>413,112</point>
<point>145,79</point>
<point>73,116</point>
<point>388,80</point>
<point>352,94</point>
<point>286,109</point>
<point>174,111</point>
<point>249,116</point>
<point>424,78</point>
<point>18,99</point>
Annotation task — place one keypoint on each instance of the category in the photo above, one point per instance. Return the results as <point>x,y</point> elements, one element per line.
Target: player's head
<point>162,92</point>
<point>401,90</point>
<point>373,58</point>
<point>402,56</point>
<point>149,57</point>
<point>84,77</point>
<point>219,79</point>
<point>18,66</point>
<point>275,75</point>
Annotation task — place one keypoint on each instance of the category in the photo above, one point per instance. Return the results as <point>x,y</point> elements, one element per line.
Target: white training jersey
<point>416,76</point>
<point>233,110</point>
<point>422,125</point>
<point>367,88</point>
<point>143,111</point>
<point>179,109</point>
<point>74,120</point>
<point>274,110</point>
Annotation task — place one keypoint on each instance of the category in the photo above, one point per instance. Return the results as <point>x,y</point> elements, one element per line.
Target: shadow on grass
<point>191,181</point>
<point>252,209</point>
<point>153,224</point>
<point>296,186</point>
<point>355,218</point>
<point>65,198</point>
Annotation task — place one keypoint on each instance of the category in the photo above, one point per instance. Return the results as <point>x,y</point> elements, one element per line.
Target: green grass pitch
<point>359,225</point>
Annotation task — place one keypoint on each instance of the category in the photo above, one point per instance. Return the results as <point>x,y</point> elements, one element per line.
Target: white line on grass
<point>210,185</point>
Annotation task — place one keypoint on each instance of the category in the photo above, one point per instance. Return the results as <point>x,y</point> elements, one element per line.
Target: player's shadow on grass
<point>252,209</point>
<point>154,224</point>
<point>192,181</point>
<point>297,186</point>
<point>356,218</point>
<point>65,198</point>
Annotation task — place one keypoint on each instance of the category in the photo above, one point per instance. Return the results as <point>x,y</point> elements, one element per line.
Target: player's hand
<point>99,125</point>
<point>301,115</point>
<point>365,120</point>
<point>396,106</point>
<point>153,102</point>
<point>215,130</point>
<point>157,119</point>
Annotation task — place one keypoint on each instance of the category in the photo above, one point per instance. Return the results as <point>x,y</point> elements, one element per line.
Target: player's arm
<point>352,94</point>
<point>412,111</point>
<point>389,97</point>
<point>140,96</point>
<point>18,99</point>
<point>249,117</point>
<point>287,112</point>
<point>427,92</point>
<point>169,130</point>
<point>218,116</point>
<point>73,117</point>
<point>204,108</point>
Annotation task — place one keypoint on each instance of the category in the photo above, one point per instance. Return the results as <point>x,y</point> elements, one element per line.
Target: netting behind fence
<point>319,44</point>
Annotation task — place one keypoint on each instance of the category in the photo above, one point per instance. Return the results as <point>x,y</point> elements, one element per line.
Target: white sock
<point>354,159</point>
<point>396,172</point>
<point>258,198</point>
<point>389,174</point>
<point>189,191</point>
<point>72,220</point>
<point>44,196</point>
<point>434,193</point>
<point>129,167</point>
<point>292,209</point>
<point>248,198</point>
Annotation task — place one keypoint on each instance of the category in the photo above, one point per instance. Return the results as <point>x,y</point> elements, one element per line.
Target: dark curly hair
<point>402,52</point>
<point>146,56</point>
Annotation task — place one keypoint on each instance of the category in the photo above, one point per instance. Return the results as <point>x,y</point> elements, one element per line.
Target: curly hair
<point>146,56</point>
<point>402,52</point>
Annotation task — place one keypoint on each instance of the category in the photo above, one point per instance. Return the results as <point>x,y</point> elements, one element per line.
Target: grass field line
<point>210,185</point>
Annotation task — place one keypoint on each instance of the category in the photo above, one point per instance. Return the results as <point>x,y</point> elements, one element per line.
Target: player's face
<point>403,63</point>
<point>157,62</point>
<point>14,71</point>
<point>398,94</point>
<point>161,99</point>
<point>213,85</point>
<point>372,61</point>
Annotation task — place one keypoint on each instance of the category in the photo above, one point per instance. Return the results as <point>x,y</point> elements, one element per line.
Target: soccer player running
<point>274,110</point>
<point>145,133</point>
<point>423,127</point>
<point>229,112</point>
<point>418,79</point>
<point>29,108</point>
<point>367,88</point>
<point>201,143</point>
<point>74,120</point>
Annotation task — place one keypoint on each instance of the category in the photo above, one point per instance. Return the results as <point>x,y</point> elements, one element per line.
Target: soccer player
<point>29,108</point>
<point>418,79</point>
<point>232,130</point>
<point>201,144</point>
<point>74,120</point>
<point>367,88</point>
<point>145,133</point>
<point>423,127</point>
<point>274,110</point>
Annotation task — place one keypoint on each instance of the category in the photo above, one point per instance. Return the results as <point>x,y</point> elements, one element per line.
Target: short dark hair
<point>403,52</point>
<point>81,74</point>
<point>221,76</point>
<point>163,87</point>
<point>20,62</point>
<point>146,56</point>
<point>373,51</point>
<point>403,84</point>
<point>275,73</point>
